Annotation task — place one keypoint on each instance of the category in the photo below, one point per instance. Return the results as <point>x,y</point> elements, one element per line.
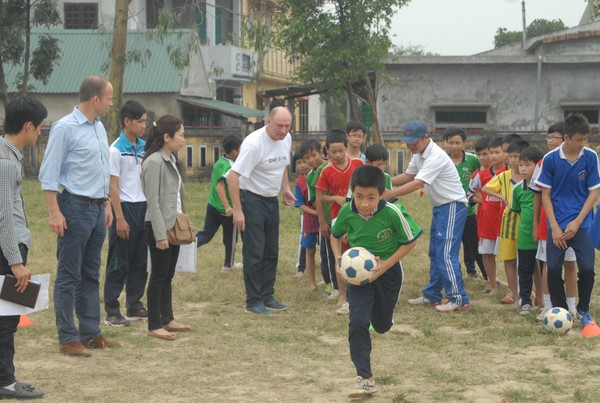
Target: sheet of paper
<point>9,308</point>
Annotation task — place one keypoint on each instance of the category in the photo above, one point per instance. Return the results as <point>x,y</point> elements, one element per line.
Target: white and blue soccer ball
<point>356,265</point>
<point>558,320</point>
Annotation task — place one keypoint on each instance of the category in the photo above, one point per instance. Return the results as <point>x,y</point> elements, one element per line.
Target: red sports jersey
<point>337,182</point>
<point>489,213</point>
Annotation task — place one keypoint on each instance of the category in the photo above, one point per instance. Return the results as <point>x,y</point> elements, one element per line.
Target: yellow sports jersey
<point>503,183</point>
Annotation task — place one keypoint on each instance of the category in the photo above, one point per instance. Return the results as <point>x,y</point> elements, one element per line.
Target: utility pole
<point>524,23</point>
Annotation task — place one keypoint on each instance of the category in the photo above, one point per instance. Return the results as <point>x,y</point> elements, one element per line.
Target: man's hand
<point>58,223</point>
<point>558,238</point>
<point>571,230</point>
<point>378,270</point>
<point>239,220</point>
<point>341,200</point>
<point>324,229</point>
<point>108,215</point>
<point>162,245</point>
<point>23,276</point>
<point>122,228</point>
<point>228,211</point>
<point>288,198</point>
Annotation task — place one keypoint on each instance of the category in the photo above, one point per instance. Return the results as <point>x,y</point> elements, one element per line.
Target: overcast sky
<point>465,27</point>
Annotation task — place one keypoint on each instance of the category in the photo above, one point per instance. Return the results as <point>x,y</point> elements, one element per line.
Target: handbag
<point>183,232</point>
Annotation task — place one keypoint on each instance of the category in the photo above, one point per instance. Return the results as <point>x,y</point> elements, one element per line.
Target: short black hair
<point>451,132</point>
<point>509,138</point>
<point>22,110</point>
<point>557,127</point>
<point>131,110</point>
<point>576,124</point>
<point>495,142</point>
<point>231,143</point>
<point>309,146</point>
<point>531,153</point>
<point>368,176</point>
<point>336,136</point>
<point>482,144</point>
<point>297,156</point>
<point>516,146</point>
<point>376,152</point>
<point>354,125</point>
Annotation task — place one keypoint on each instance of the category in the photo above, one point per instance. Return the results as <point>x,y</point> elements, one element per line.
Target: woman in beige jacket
<point>163,187</point>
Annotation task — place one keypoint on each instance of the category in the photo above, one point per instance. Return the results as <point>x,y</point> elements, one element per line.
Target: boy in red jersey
<point>332,186</point>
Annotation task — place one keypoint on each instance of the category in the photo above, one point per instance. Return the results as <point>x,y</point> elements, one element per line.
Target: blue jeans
<point>8,328</point>
<point>261,246</point>
<point>77,275</point>
<point>447,226</point>
<point>126,264</point>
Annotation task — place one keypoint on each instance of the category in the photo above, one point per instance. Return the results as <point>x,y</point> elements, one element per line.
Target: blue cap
<point>413,132</point>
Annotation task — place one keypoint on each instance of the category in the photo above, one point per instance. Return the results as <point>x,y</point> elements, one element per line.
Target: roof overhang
<point>226,108</point>
<point>291,91</point>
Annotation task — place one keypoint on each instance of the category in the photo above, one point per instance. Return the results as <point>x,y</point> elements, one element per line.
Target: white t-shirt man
<point>262,162</point>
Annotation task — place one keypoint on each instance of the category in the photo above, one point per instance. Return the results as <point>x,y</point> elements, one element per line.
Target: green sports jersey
<point>381,234</point>
<point>220,168</point>
<point>522,202</point>
<point>311,182</point>
<point>465,168</point>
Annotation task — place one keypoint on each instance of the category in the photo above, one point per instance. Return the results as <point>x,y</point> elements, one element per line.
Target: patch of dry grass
<point>482,355</point>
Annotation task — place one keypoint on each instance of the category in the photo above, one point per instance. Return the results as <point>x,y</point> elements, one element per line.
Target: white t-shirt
<point>261,163</point>
<point>127,166</point>
<point>436,169</point>
<point>179,205</point>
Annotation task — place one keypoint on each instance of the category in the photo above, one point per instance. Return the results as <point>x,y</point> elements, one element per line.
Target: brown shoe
<point>173,326</point>
<point>74,349</point>
<point>99,342</point>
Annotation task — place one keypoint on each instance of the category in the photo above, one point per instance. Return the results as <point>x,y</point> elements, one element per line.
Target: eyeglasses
<point>554,138</point>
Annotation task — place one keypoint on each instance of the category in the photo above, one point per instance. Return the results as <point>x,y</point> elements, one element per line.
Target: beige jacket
<point>160,183</point>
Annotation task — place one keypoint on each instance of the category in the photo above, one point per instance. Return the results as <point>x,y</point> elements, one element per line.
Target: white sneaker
<point>238,266</point>
<point>525,310</point>
<point>421,301</point>
<point>451,307</point>
<point>542,313</point>
<point>344,309</point>
<point>363,387</point>
<point>334,295</point>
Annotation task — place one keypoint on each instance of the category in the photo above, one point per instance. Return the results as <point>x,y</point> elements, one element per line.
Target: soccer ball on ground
<point>558,320</point>
<point>356,264</point>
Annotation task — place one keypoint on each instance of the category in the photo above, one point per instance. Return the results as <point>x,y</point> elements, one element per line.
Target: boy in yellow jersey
<point>501,186</point>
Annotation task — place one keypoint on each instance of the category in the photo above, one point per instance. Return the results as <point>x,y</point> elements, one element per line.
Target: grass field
<point>486,354</point>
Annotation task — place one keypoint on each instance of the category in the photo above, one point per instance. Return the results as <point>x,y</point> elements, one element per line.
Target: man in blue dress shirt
<point>75,180</point>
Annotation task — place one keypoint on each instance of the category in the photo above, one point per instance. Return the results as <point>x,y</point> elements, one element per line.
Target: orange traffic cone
<point>590,330</point>
<point>25,321</point>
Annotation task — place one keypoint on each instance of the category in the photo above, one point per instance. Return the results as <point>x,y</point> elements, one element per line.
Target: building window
<point>463,117</point>
<point>189,155</point>
<point>202,156</point>
<point>81,15</point>
<point>399,162</point>
<point>216,154</point>
<point>591,113</point>
<point>303,117</point>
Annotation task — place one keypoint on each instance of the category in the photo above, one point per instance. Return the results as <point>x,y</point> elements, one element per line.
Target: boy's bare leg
<point>342,299</point>
<point>489,263</point>
<point>571,279</point>
<point>510,267</point>
<point>310,268</point>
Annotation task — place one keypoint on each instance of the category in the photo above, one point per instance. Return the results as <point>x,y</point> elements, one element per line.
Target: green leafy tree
<point>338,44</point>
<point>17,17</point>
<point>537,27</point>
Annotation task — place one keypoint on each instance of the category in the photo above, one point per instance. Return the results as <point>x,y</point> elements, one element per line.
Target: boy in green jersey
<point>218,210</point>
<point>380,227</point>
<point>522,203</point>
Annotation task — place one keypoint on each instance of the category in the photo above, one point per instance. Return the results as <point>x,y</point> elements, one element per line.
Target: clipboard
<point>28,298</point>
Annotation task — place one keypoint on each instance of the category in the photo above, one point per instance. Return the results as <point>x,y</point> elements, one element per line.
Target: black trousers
<point>470,247</point>
<point>127,262</point>
<point>327,262</point>
<point>526,267</point>
<point>8,328</point>
<point>159,294</point>
<point>213,220</point>
<point>373,303</point>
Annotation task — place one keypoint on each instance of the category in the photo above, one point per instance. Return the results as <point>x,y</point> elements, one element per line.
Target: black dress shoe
<point>22,391</point>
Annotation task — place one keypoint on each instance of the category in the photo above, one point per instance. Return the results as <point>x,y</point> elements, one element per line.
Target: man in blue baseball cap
<point>432,168</point>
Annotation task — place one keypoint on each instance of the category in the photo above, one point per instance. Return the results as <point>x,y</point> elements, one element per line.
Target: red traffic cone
<point>590,330</point>
<point>25,321</point>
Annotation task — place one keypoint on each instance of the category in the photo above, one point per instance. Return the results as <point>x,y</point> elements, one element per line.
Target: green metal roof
<point>223,107</point>
<point>85,52</point>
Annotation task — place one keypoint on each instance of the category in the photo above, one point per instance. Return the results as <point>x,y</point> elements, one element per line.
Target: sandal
<point>161,334</point>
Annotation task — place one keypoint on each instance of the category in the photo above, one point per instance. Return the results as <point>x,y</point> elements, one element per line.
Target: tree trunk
<point>117,65</point>
<point>352,102</point>
<point>3,86</point>
<point>376,135</point>
<point>27,54</point>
